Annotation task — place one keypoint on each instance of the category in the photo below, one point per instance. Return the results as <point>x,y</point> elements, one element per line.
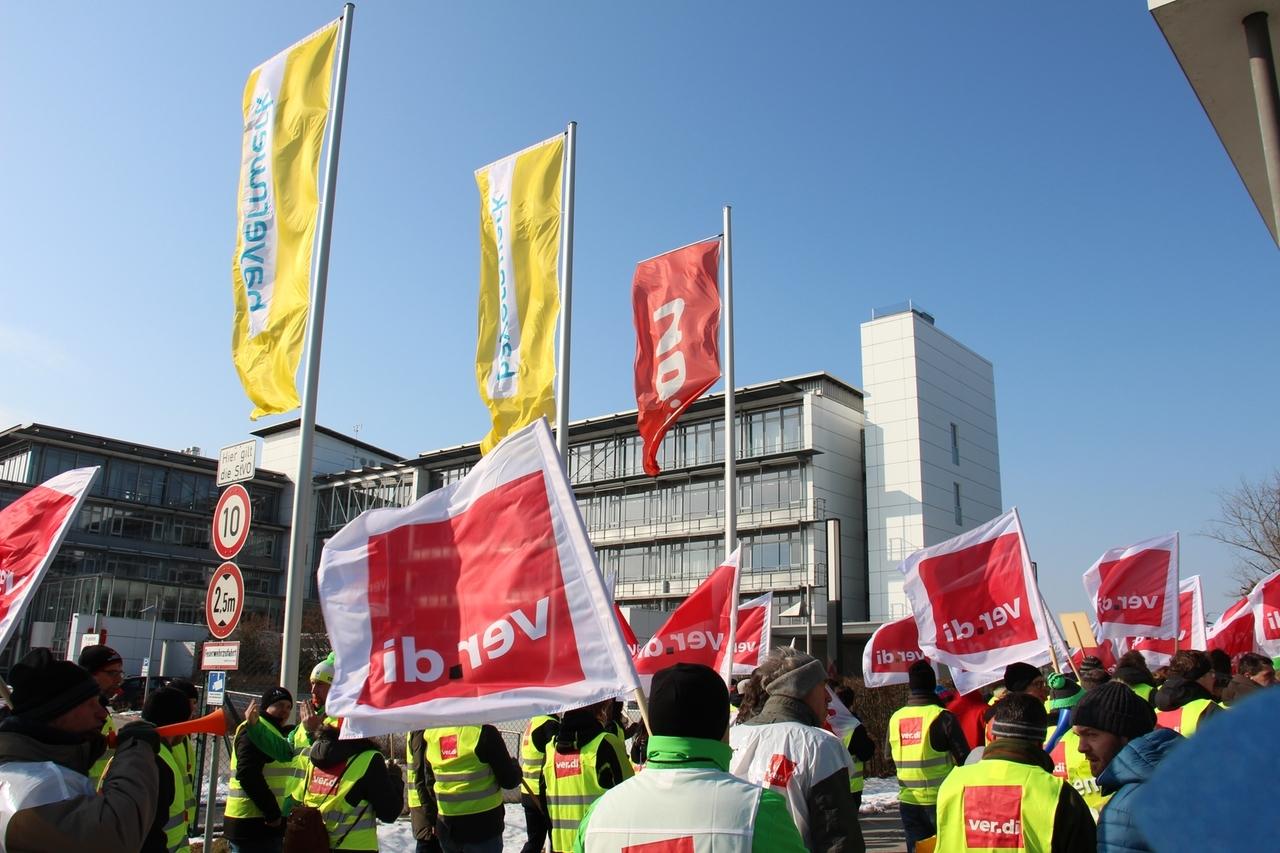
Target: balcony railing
<point>796,513</point>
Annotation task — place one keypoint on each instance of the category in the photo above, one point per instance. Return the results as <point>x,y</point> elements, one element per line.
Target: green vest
<point>464,784</point>
<point>281,778</point>
<point>571,785</point>
<point>350,827</point>
<point>1184,720</point>
<point>996,806</point>
<point>531,758</point>
<point>921,768</point>
<point>1070,764</point>
<point>100,766</point>
<point>411,774</point>
<point>856,775</point>
<point>184,755</point>
<point>175,825</point>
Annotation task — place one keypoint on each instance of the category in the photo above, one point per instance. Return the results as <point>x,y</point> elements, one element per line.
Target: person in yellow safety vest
<point>352,786</point>
<point>927,744</point>
<point>418,795</point>
<point>184,748</point>
<point>1068,762</point>
<point>168,833</point>
<point>1132,670</point>
<point>539,732</point>
<point>311,715</point>
<point>1184,701</point>
<point>582,763</point>
<point>1010,799</point>
<point>1019,678</point>
<point>107,668</point>
<point>260,785</point>
<point>859,744</point>
<point>467,767</point>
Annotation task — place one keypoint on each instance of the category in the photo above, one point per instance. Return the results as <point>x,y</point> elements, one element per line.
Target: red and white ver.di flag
<point>1264,601</point>
<point>1233,632</point>
<point>31,531</point>
<point>755,632</point>
<point>975,598</point>
<point>1191,634</point>
<point>478,603</point>
<point>695,631</point>
<point>1134,589</point>
<point>676,304</point>
<point>890,652</point>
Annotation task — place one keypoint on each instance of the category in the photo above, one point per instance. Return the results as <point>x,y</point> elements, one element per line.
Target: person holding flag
<point>107,668</point>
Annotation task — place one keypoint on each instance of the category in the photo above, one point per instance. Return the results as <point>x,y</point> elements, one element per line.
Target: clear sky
<point>1040,177</point>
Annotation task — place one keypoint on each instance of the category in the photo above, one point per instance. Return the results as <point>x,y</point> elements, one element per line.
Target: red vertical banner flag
<point>1134,589</point>
<point>1233,632</point>
<point>697,630</point>
<point>1191,634</point>
<point>890,652</point>
<point>1265,603</point>
<point>31,530</point>
<point>676,303</point>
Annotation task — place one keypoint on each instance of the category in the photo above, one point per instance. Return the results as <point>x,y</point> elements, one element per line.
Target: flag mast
<point>730,438</point>
<point>1177,601</point>
<point>302,524</point>
<point>566,293</point>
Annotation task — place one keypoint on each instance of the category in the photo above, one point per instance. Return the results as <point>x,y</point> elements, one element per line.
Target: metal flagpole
<point>1177,601</point>
<point>566,293</point>
<point>301,526</point>
<point>730,442</point>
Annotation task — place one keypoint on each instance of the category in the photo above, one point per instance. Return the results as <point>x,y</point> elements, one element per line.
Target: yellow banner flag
<point>286,109</point>
<point>519,296</point>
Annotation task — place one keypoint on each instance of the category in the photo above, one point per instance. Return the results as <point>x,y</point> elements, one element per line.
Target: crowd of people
<point>1041,761</point>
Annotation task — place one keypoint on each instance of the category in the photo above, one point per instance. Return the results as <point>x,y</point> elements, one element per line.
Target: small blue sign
<point>215,688</point>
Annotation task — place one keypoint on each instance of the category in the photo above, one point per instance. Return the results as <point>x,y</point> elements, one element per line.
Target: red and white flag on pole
<point>1134,589</point>
<point>755,633</point>
<point>975,598</point>
<point>1191,634</point>
<point>1233,632</point>
<point>478,603</point>
<point>890,652</point>
<point>31,531</point>
<point>695,631</point>
<point>967,681</point>
<point>1264,601</point>
<point>676,304</point>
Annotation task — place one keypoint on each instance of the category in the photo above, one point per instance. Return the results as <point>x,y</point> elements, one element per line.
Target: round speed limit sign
<point>231,519</point>
<point>224,602</point>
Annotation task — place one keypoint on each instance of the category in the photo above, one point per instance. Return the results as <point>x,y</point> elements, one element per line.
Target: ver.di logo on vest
<point>993,816</point>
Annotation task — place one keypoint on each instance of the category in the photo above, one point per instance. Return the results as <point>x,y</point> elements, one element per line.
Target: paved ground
<point>883,833</point>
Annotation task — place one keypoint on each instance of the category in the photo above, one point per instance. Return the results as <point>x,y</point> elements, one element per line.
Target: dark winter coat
<point>250,762</point>
<point>1177,691</point>
<point>1132,766</point>
<point>945,734</point>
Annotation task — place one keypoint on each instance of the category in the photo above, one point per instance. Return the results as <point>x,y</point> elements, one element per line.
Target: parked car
<point>130,696</point>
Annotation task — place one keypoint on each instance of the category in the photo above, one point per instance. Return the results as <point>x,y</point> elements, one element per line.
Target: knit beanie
<point>1063,692</point>
<point>94,658</point>
<point>1116,709</point>
<point>1091,662</point>
<point>921,679</point>
<point>166,706</point>
<point>272,695</point>
<point>1018,676</point>
<point>45,688</point>
<point>323,671</point>
<point>184,686</point>
<point>796,677</point>
<point>1019,715</point>
<point>689,700</point>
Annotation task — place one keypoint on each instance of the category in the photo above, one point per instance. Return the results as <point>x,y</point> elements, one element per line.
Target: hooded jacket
<point>1177,691</point>
<point>382,791</point>
<point>1132,766</point>
<point>60,811</point>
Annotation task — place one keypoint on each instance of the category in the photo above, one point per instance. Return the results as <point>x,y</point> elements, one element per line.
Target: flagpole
<point>301,529</point>
<point>566,293</point>
<point>1035,580</point>
<point>1177,601</point>
<point>730,439</point>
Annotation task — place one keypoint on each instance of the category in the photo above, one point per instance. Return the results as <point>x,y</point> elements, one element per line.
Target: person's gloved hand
<point>140,730</point>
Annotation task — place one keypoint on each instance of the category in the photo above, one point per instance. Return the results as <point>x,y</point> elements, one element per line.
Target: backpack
<point>305,831</point>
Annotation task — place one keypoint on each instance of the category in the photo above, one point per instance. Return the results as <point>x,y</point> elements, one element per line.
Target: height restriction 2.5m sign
<point>231,519</point>
<point>224,602</point>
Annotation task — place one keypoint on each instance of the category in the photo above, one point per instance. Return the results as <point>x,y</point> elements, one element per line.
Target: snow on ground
<point>880,796</point>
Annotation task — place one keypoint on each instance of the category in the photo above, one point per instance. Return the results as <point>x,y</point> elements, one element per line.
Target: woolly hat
<point>272,695</point>
<point>796,677</point>
<point>1063,692</point>
<point>323,671</point>
<point>921,679</point>
<point>45,689</point>
<point>1018,676</point>
<point>1020,716</point>
<point>1116,709</point>
<point>94,658</point>
<point>1091,662</point>
<point>689,700</point>
<point>165,706</point>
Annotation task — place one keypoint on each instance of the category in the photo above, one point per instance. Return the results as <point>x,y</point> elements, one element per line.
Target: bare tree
<point>1250,523</point>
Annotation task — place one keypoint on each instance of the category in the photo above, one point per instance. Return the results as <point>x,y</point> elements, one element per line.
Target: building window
<point>955,445</point>
<point>959,515</point>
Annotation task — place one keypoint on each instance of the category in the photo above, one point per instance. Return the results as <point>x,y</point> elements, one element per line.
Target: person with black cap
<point>1185,700</point>
<point>1118,734</point>
<point>927,744</point>
<point>261,779</point>
<point>168,833</point>
<point>107,668</point>
<point>785,748</point>
<point>1010,798</point>
<point>48,745</point>
<point>1068,762</point>
<point>685,792</point>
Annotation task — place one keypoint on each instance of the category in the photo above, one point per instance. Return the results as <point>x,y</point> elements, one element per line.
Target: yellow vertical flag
<point>286,110</point>
<point>519,296</point>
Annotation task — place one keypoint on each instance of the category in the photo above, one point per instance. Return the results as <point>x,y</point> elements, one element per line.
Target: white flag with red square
<point>1134,589</point>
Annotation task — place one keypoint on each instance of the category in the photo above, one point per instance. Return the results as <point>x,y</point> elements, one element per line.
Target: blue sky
<point>1041,179</point>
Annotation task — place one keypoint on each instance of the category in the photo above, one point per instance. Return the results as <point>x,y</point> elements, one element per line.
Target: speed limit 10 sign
<point>231,518</point>
<point>224,601</point>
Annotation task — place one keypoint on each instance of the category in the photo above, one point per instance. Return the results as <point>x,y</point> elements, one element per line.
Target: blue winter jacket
<point>1133,765</point>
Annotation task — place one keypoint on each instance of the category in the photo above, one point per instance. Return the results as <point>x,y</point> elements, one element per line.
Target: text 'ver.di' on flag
<point>676,307</point>
<point>696,631</point>
<point>975,598</point>
<point>1134,589</point>
<point>519,293</point>
<point>31,529</point>
<point>286,110</point>
<point>478,603</point>
<point>891,652</point>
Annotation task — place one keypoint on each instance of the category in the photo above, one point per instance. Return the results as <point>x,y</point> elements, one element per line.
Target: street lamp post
<point>154,607</point>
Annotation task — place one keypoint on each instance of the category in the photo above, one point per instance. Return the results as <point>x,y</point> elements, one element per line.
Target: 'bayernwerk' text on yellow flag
<point>286,109</point>
<point>519,297</point>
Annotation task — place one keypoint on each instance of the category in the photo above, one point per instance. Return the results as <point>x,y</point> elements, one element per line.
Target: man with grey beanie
<point>783,748</point>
